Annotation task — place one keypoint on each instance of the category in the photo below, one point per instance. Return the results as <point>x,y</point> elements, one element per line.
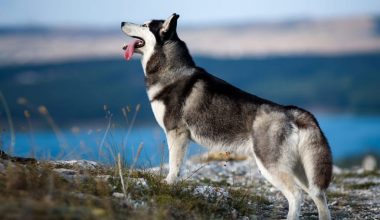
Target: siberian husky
<point>190,104</point>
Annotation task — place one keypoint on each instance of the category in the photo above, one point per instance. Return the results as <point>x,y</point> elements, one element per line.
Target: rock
<point>369,163</point>
<point>128,202</point>
<point>273,190</point>
<point>234,214</point>
<point>337,170</point>
<point>22,160</point>
<point>350,189</point>
<point>84,164</point>
<point>140,182</point>
<point>9,164</point>
<point>359,171</point>
<point>67,174</point>
<point>65,171</point>
<point>211,192</point>
<point>118,195</point>
<point>104,178</point>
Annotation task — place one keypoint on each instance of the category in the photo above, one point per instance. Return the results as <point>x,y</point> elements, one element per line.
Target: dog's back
<point>286,141</point>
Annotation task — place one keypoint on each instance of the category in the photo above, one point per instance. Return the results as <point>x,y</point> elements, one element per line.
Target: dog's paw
<point>170,180</point>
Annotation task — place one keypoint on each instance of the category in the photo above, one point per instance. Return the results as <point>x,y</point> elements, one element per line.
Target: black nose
<point>122,24</point>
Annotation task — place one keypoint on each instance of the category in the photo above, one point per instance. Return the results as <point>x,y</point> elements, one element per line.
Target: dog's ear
<point>169,26</point>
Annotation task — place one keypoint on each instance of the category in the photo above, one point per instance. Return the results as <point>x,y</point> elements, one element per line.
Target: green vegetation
<point>374,173</point>
<point>47,190</point>
<point>336,195</point>
<point>39,191</point>
<point>210,182</point>
<point>362,185</point>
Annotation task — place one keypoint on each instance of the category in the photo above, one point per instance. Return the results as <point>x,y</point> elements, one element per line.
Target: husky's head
<point>149,35</point>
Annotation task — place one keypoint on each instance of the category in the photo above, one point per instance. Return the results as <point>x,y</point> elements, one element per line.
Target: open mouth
<point>129,48</point>
<point>136,43</point>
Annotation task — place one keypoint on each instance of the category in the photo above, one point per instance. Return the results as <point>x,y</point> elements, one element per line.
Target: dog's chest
<point>158,107</point>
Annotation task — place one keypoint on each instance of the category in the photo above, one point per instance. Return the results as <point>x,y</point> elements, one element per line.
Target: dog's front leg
<point>177,143</point>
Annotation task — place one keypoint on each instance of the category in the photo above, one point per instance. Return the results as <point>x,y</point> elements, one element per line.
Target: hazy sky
<point>110,12</point>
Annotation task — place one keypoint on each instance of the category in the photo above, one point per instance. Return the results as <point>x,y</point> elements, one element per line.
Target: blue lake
<point>348,136</point>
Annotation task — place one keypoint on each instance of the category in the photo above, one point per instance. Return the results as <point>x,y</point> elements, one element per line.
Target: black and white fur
<point>190,104</point>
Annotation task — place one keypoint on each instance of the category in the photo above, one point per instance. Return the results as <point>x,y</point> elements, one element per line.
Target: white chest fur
<point>153,91</point>
<point>158,109</point>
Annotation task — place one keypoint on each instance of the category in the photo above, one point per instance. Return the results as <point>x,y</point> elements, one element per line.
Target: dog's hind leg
<point>292,193</point>
<point>274,144</point>
<point>284,181</point>
<point>177,143</point>
<point>317,165</point>
<point>317,185</point>
<point>316,159</point>
<point>319,199</point>
<point>317,195</point>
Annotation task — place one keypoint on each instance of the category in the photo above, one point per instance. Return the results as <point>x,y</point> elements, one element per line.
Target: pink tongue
<point>130,49</point>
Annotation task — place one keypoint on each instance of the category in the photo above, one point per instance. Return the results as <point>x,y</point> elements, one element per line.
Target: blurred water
<point>348,136</point>
<point>351,135</point>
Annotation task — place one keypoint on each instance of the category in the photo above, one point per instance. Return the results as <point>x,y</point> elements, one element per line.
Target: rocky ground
<point>217,190</point>
<point>353,194</point>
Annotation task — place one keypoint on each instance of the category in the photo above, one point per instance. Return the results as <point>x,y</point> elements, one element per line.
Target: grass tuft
<point>367,185</point>
<point>39,191</point>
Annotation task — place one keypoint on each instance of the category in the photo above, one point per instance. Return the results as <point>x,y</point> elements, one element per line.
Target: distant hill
<point>76,91</point>
<point>332,36</point>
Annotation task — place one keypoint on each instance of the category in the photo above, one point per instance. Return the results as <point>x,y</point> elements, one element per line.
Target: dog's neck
<point>168,63</point>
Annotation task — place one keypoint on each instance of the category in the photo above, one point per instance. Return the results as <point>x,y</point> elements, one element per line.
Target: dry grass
<point>36,191</point>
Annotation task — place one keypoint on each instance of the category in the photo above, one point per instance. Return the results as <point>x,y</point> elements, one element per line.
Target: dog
<point>190,104</point>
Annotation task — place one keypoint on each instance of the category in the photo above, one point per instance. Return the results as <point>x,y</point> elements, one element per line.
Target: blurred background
<point>67,93</point>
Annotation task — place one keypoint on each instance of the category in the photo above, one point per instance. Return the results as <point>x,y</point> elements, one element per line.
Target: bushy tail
<point>322,169</point>
<point>314,149</point>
